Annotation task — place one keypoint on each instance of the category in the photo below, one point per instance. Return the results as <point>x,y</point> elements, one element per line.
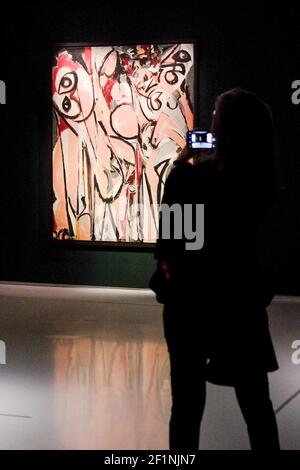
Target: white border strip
<point>100,294</point>
<point>93,293</point>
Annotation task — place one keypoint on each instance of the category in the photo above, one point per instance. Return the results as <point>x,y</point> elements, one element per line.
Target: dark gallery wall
<point>253,47</point>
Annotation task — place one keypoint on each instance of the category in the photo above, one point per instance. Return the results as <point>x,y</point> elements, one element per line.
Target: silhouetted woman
<point>215,318</point>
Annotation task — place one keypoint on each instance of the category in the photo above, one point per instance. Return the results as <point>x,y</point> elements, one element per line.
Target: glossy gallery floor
<point>87,368</point>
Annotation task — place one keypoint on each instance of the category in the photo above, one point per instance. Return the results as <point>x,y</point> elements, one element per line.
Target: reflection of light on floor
<point>88,368</point>
<point>111,394</point>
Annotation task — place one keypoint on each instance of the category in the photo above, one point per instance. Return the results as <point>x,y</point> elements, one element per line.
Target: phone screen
<point>200,140</point>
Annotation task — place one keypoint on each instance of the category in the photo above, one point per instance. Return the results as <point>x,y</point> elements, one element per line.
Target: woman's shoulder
<point>179,170</point>
<point>192,179</point>
<point>203,169</point>
<point>205,165</point>
<point>199,165</point>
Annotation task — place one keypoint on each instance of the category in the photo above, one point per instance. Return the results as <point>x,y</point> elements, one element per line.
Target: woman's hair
<point>243,128</point>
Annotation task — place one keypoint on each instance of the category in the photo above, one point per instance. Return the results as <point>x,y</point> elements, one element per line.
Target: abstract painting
<point>120,117</point>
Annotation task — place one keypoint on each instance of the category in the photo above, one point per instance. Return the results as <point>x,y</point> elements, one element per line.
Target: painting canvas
<point>120,117</point>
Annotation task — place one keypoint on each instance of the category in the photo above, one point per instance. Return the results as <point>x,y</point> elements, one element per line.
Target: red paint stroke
<point>127,65</point>
<point>107,90</point>
<point>88,58</point>
<point>62,125</point>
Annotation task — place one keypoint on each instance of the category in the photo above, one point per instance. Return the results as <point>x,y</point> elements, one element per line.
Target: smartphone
<point>200,140</point>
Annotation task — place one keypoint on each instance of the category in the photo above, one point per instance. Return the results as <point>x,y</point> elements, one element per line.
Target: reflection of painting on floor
<point>121,117</point>
<point>111,394</point>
